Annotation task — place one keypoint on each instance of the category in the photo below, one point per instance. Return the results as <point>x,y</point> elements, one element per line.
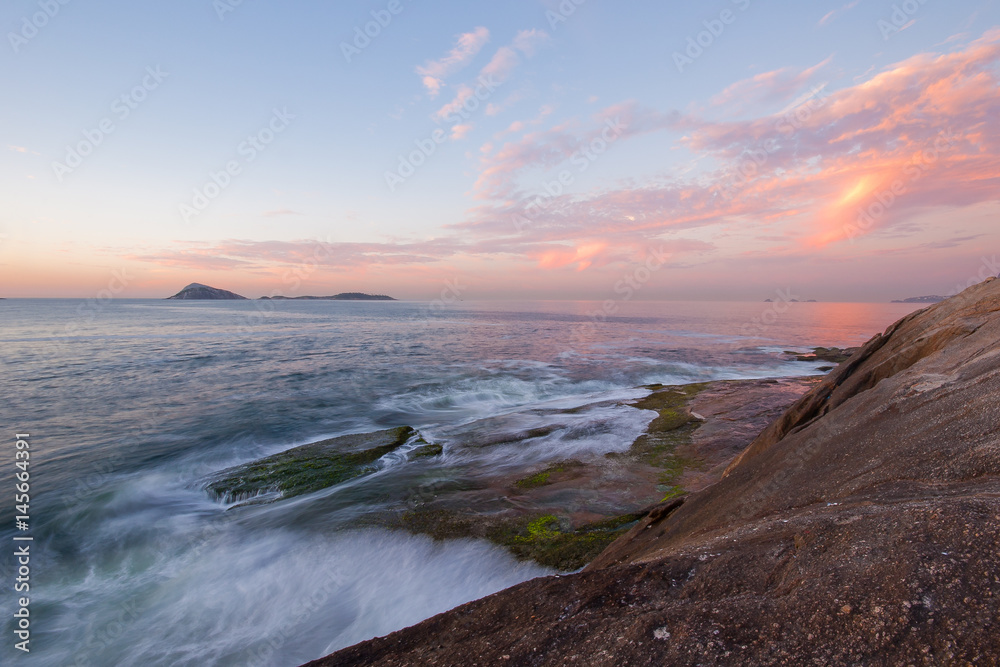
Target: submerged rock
<point>862,527</point>
<point>832,354</point>
<point>308,468</point>
<point>426,451</point>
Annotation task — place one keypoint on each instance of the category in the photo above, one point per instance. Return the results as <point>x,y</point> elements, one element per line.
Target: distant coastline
<point>932,298</point>
<point>346,296</point>
<point>200,292</point>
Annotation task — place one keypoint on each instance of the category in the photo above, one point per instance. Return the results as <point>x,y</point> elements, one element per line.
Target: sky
<point>530,149</point>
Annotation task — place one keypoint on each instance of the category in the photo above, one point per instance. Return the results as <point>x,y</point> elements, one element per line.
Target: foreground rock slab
<point>307,468</point>
<point>862,527</point>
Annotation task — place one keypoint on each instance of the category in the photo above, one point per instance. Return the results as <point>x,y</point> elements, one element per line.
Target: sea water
<point>132,405</point>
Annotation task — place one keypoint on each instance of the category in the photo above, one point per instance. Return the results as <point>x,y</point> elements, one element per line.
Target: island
<point>346,296</point>
<point>931,298</point>
<point>199,292</point>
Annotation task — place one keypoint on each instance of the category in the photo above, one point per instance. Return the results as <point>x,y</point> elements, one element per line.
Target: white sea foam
<point>232,597</point>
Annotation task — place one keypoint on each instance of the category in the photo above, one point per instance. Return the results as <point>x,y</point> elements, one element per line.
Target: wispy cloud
<point>827,18</point>
<point>22,149</point>
<point>776,86</point>
<point>279,213</point>
<point>551,147</point>
<point>272,255</point>
<point>500,68</point>
<point>434,73</point>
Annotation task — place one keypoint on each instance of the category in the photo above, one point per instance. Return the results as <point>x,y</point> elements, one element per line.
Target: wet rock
<point>832,354</point>
<point>426,451</point>
<point>307,468</point>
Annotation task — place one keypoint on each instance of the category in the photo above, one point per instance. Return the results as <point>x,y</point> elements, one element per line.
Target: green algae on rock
<point>673,427</point>
<point>552,542</point>
<point>307,468</point>
<point>545,477</point>
<point>426,450</point>
<point>547,539</point>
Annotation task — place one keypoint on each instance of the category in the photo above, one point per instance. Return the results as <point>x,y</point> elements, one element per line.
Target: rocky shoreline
<point>861,526</point>
<point>561,514</point>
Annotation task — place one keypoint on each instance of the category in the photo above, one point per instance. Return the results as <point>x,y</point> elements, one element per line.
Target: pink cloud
<point>459,132</point>
<point>919,135</point>
<point>548,148</point>
<point>777,85</point>
<point>829,16</point>
<point>581,256</point>
<point>464,94</point>
<point>466,47</point>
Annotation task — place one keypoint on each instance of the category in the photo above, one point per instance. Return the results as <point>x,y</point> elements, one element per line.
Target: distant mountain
<point>933,298</point>
<point>346,296</point>
<point>199,292</point>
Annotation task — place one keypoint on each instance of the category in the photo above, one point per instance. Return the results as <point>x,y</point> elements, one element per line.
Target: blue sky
<point>227,68</point>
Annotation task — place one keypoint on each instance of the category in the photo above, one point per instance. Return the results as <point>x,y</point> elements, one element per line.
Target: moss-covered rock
<point>672,428</point>
<point>550,475</point>
<point>307,468</point>
<point>544,538</point>
<point>426,451</point>
<point>552,542</point>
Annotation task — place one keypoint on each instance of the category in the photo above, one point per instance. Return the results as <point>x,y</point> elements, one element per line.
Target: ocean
<point>131,405</point>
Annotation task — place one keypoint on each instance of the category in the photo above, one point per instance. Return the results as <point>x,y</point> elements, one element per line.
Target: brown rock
<point>862,527</point>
